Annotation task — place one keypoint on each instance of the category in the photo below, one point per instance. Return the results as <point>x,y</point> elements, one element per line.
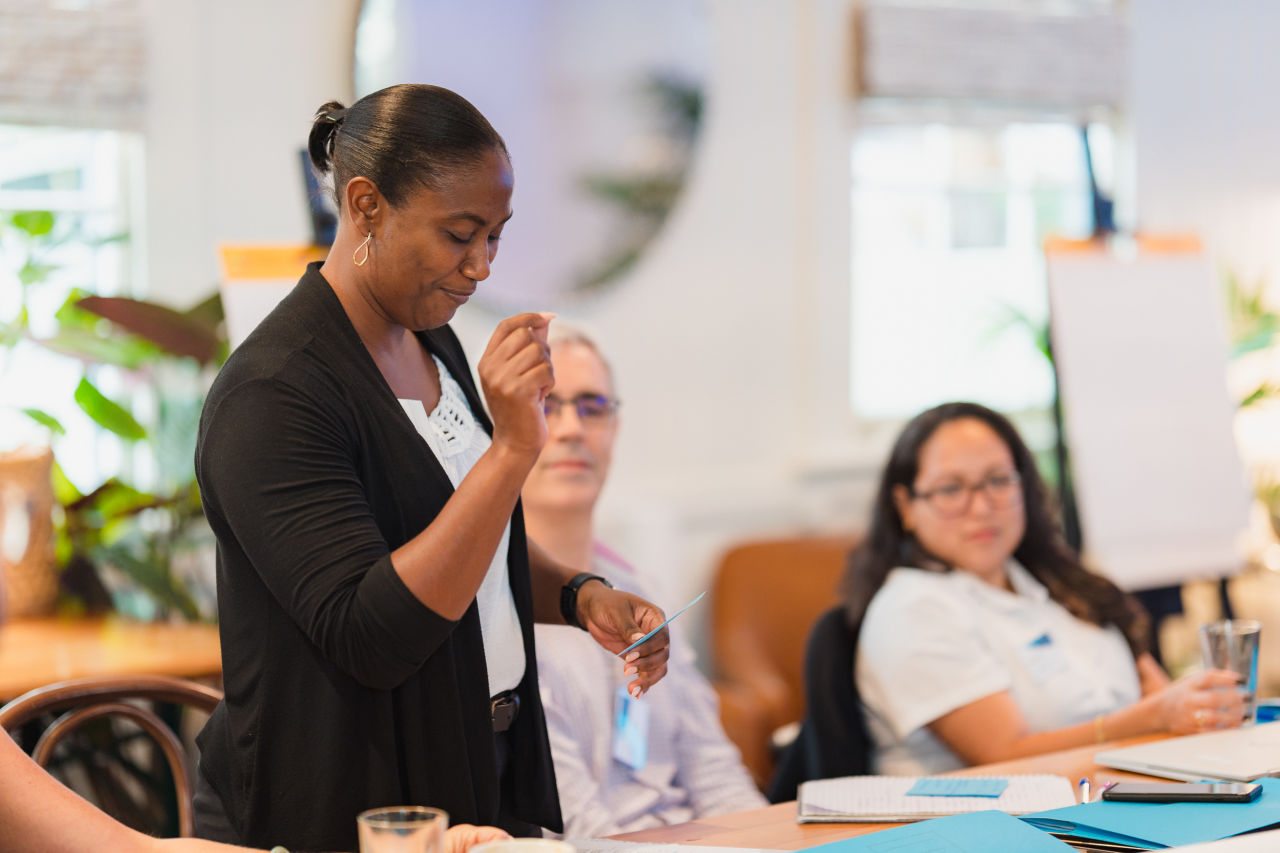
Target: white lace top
<point>458,441</point>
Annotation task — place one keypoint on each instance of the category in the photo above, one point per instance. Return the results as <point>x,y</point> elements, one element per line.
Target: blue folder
<point>974,832</point>
<point>1151,826</point>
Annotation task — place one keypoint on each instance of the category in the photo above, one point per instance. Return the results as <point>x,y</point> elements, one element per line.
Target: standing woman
<point>376,589</point>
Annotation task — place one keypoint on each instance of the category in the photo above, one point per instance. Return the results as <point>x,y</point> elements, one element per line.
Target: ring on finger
<point>1201,717</point>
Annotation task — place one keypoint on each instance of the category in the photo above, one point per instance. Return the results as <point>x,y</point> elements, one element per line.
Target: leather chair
<point>94,698</point>
<point>766,596</point>
<point>833,739</point>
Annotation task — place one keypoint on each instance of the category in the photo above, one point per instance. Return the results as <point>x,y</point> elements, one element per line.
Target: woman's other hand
<point>461,838</point>
<point>515,373</point>
<point>1201,702</point>
<point>617,619</point>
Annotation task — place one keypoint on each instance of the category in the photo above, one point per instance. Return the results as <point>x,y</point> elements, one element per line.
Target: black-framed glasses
<point>592,409</point>
<point>954,499</point>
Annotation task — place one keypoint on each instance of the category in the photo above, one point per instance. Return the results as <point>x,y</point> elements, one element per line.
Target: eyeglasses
<point>592,409</point>
<point>955,499</point>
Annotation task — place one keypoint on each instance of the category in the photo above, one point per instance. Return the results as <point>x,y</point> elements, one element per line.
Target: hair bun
<point>324,131</point>
<point>400,138</point>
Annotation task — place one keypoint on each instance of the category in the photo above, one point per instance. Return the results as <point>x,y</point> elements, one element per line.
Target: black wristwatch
<point>569,597</point>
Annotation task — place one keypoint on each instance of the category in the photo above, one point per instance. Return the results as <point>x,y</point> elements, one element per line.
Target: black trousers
<point>518,828</point>
<point>212,823</point>
<point>210,814</point>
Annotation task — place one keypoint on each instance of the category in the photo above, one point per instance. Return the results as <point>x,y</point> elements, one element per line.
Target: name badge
<point>1043,659</point>
<point>630,729</point>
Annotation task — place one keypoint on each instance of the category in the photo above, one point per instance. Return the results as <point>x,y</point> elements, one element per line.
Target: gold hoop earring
<point>365,246</point>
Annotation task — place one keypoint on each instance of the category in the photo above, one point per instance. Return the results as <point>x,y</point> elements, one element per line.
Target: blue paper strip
<point>957,786</point>
<point>1163,824</point>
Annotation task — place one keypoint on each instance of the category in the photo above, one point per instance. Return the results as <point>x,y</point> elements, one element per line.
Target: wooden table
<point>775,826</point>
<point>36,652</point>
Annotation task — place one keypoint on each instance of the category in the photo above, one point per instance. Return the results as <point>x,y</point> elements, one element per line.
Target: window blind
<point>72,63</point>
<point>1061,56</point>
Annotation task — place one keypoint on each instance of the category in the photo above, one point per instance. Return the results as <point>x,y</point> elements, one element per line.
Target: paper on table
<point>958,786</point>
<point>977,832</point>
<point>885,798</point>
<point>663,625</point>
<point>1154,825</point>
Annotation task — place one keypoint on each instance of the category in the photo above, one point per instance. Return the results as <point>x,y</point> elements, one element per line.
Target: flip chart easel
<point>255,278</point>
<point>1141,353</point>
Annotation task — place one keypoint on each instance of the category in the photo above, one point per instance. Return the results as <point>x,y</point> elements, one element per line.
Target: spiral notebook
<point>884,798</point>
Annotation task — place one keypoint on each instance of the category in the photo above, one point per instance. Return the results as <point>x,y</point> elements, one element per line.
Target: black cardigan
<point>343,691</point>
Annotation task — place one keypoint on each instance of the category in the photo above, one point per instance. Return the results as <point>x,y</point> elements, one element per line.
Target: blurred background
<point>791,224</point>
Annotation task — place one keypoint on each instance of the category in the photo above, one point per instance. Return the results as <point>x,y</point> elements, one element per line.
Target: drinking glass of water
<point>402,829</point>
<point>1232,644</point>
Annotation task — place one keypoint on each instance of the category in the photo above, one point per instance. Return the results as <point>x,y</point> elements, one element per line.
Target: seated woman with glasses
<point>982,635</point>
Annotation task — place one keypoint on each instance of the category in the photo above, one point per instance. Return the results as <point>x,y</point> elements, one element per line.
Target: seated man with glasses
<point>982,635</point>
<point>623,762</point>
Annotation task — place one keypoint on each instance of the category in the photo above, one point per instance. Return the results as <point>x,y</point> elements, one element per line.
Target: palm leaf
<point>106,413</point>
<point>46,420</point>
<point>1265,391</point>
<point>36,223</point>
<point>63,489</point>
<point>172,331</point>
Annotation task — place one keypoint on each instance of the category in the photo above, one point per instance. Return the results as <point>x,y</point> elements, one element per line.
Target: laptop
<point>1236,755</point>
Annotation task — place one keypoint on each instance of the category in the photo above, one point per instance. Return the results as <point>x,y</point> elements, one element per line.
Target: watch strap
<point>569,596</point>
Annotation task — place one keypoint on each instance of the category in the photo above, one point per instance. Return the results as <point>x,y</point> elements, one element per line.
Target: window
<point>84,178</point>
<point>948,271</point>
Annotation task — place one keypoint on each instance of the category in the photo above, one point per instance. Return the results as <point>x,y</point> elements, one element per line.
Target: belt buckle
<point>503,709</point>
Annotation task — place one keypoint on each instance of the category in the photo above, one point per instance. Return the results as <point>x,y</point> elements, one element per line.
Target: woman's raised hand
<point>1201,702</point>
<point>515,373</point>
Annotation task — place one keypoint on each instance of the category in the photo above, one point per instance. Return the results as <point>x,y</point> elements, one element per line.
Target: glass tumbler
<point>402,829</point>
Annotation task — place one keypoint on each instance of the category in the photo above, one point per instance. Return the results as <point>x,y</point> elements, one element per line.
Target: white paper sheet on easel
<point>246,303</point>
<point>255,277</point>
<point>1141,352</point>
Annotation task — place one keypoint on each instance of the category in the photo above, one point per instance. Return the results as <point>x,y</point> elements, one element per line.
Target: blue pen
<point>1084,790</point>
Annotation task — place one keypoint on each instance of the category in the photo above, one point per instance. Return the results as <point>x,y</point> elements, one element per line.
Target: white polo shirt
<point>933,642</point>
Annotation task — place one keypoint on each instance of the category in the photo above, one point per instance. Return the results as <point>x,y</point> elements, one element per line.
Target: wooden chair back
<point>767,596</point>
<point>95,698</point>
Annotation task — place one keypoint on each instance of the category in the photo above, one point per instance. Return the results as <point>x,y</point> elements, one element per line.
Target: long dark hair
<point>1042,551</point>
<point>403,138</point>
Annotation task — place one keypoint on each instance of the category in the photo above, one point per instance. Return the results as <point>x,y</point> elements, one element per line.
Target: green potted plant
<point>118,544</point>
<point>1253,327</point>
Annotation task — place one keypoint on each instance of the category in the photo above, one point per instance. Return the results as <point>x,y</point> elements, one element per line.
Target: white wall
<point>232,87</point>
<point>1206,129</point>
<point>728,383</point>
<point>1206,125</point>
<point>730,340</point>
<point>563,82</point>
